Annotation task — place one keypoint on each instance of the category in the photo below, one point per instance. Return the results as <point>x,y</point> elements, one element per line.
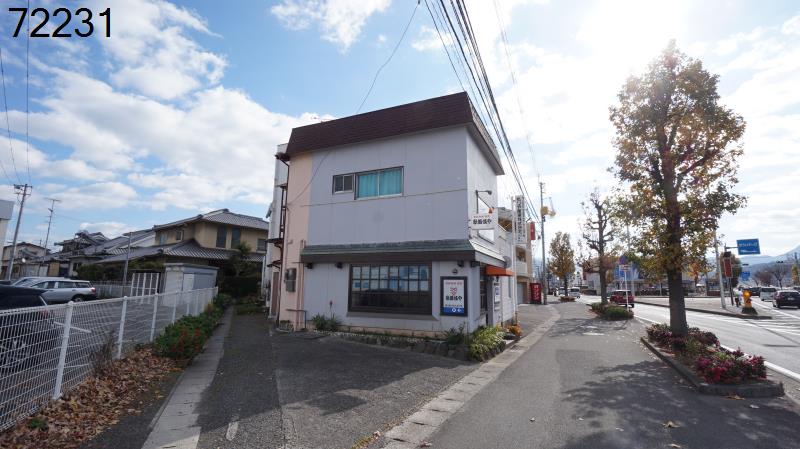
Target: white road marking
<point>233,427</point>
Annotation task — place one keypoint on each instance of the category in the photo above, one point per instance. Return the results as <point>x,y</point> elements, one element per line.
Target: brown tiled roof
<point>439,112</point>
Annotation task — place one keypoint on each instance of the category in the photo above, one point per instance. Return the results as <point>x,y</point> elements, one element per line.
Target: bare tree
<point>778,270</point>
<point>599,233</point>
<point>762,277</point>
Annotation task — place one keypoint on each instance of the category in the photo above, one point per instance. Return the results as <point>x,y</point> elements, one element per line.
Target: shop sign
<point>521,237</point>
<point>482,221</point>
<point>454,296</point>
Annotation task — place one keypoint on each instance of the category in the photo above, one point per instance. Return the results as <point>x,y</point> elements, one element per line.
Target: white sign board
<point>520,230</point>
<point>483,221</point>
<point>454,296</point>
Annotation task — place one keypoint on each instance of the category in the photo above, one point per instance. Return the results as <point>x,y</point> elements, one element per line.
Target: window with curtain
<point>391,288</point>
<point>380,183</point>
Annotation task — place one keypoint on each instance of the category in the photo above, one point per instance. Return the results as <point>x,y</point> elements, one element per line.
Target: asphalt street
<point>778,339</point>
<point>590,383</point>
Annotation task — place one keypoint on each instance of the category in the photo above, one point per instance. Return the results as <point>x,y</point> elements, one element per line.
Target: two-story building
<point>374,222</point>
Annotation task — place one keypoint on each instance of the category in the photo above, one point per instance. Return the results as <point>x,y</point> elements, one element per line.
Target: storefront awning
<point>397,252</point>
<point>492,270</point>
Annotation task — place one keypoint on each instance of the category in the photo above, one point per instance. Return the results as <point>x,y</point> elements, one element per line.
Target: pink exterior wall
<point>296,235</point>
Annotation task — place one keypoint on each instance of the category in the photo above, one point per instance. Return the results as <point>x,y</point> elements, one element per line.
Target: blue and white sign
<point>748,246</point>
<point>745,276</point>
<point>454,296</point>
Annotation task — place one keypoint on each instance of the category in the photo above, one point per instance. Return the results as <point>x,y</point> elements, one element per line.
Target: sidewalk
<point>706,305</point>
<point>591,384</point>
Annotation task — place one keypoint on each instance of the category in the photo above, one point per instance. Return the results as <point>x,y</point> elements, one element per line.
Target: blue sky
<point>180,110</point>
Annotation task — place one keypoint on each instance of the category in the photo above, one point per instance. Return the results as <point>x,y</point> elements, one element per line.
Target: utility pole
<point>25,190</point>
<point>544,260</point>
<point>719,271</point>
<point>127,257</point>
<point>50,220</point>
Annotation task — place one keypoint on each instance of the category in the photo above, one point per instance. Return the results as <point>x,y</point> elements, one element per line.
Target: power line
<point>8,123</point>
<point>504,38</point>
<point>464,36</point>
<point>402,36</point>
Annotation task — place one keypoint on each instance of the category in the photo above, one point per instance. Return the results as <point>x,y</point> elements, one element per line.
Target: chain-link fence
<point>45,351</point>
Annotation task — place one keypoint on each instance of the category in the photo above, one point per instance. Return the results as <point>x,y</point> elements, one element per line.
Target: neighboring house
<point>205,239</point>
<point>374,221</point>
<point>88,248</point>
<point>24,259</point>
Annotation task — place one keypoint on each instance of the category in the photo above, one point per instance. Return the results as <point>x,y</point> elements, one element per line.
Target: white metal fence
<point>46,351</point>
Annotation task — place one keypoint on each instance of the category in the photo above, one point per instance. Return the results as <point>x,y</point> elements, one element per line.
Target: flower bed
<point>567,299</point>
<point>701,351</point>
<point>611,312</point>
<point>184,339</point>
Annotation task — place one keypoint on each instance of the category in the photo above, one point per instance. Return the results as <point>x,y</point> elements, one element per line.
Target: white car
<point>575,292</point>
<point>768,293</point>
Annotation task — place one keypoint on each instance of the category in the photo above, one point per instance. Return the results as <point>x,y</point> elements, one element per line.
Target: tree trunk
<point>603,287</point>
<point>677,304</point>
<point>566,286</point>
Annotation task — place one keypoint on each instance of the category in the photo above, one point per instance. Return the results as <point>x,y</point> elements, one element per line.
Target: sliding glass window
<point>391,289</point>
<point>380,183</point>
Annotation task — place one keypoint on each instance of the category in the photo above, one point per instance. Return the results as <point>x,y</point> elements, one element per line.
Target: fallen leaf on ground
<point>670,424</point>
<point>580,419</point>
<point>620,429</point>
<point>425,444</point>
<point>734,396</point>
<point>754,406</point>
<point>533,419</point>
<point>675,445</point>
<point>376,433</point>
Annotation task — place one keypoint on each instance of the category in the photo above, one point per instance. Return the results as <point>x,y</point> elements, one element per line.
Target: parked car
<point>786,298</point>
<point>24,336</point>
<point>61,290</point>
<point>618,297</point>
<point>30,280</point>
<point>575,292</point>
<point>767,293</point>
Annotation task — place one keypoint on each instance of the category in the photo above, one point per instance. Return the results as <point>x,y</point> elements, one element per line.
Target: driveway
<point>300,391</point>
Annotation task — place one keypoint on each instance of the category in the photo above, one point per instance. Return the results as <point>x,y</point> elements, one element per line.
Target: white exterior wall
<point>432,206</point>
<point>442,168</point>
<point>326,289</point>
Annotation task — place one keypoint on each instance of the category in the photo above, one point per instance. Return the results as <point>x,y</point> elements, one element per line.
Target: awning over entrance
<point>491,270</point>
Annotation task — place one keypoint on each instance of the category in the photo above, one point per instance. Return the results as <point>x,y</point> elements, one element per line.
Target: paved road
<point>590,384</point>
<point>778,340</point>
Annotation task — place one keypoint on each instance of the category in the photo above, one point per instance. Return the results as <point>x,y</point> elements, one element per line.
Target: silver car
<point>65,290</point>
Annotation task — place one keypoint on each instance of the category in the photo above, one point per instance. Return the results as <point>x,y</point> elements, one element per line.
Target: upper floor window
<point>179,235</point>
<point>222,236</point>
<point>162,238</point>
<point>342,183</point>
<point>262,245</point>
<point>236,237</point>
<point>380,183</point>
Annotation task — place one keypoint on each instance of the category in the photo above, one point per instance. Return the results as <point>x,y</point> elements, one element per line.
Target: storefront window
<point>390,289</point>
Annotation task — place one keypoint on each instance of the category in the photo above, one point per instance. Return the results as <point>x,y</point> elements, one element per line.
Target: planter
<point>753,389</point>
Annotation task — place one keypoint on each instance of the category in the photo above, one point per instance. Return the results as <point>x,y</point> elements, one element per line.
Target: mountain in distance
<point>763,259</point>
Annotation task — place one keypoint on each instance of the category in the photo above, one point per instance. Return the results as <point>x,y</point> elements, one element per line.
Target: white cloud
<point>97,196</point>
<point>428,40</point>
<point>109,229</point>
<point>340,21</point>
<point>791,26</point>
<point>152,54</point>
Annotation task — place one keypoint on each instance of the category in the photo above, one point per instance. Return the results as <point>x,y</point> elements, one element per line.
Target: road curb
<point>713,312</point>
<point>768,390</point>
<point>423,423</point>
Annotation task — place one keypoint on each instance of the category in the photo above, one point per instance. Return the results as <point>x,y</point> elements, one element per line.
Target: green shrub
<point>323,323</point>
<point>485,340</point>
<point>617,313</point>
<point>240,286</point>
<point>248,309</point>
<point>184,338</point>
<point>223,300</point>
<point>456,336</point>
